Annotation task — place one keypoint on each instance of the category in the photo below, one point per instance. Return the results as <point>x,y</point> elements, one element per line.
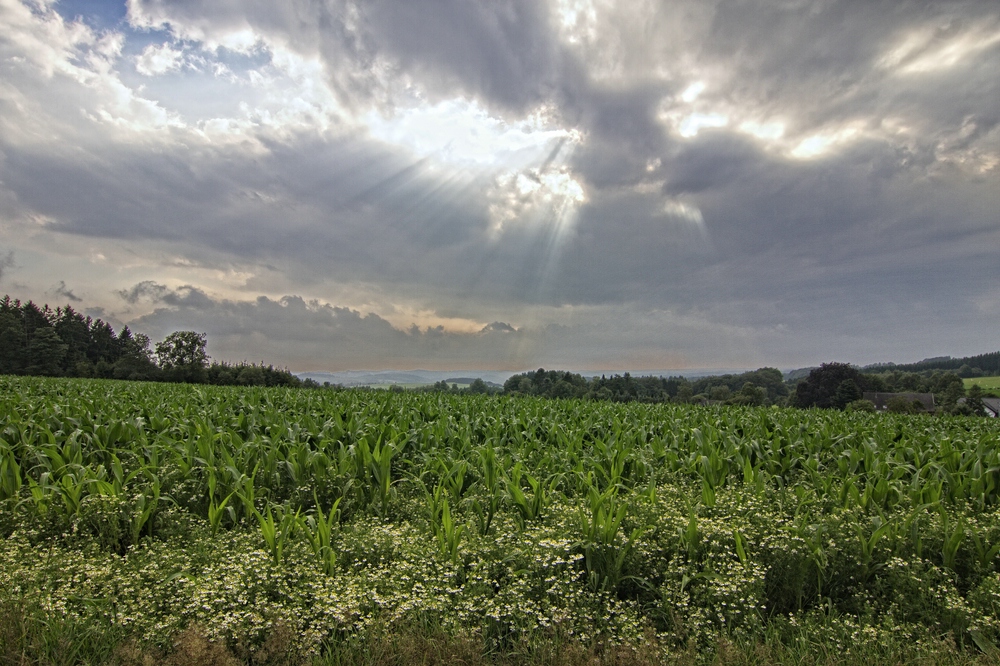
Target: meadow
<point>159,523</point>
<point>988,384</point>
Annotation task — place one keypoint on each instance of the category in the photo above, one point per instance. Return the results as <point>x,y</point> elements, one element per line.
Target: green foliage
<point>900,405</point>
<point>974,400</point>
<point>830,385</point>
<point>182,356</point>
<point>759,387</point>
<point>985,364</point>
<point>134,509</point>
<point>62,342</point>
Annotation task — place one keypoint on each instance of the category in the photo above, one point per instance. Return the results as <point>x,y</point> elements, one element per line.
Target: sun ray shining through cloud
<point>718,178</point>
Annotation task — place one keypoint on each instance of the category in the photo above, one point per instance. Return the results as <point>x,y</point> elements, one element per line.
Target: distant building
<point>881,400</point>
<point>992,406</point>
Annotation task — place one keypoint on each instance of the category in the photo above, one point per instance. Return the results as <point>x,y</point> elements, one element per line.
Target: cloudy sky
<point>508,184</point>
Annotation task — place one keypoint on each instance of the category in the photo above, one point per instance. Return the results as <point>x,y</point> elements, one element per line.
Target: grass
<point>988,384</point>
<point>31,638</point>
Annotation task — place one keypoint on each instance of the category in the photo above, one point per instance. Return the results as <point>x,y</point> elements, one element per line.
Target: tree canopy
<point>64,343</point>
<point>830,385</point>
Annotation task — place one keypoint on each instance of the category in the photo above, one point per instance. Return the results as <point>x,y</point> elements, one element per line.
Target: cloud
<point>146,289</point>
<point>62,290</point>
<point>814,165</point>
<point>184,296</point>
<point>499,327</point>
<point>157,59</point>
<point>504,52</point>
<point>6,263</point>
<point>310,334</point>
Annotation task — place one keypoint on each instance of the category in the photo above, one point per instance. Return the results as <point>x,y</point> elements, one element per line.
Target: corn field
<point>146,508</point>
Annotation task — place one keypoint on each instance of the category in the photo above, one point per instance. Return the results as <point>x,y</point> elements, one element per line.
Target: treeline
<point>831,386</point>
<point>64,343</point>
<point>842,386</point>
<point>983,365</point>
<point>476,386</point>
<point>758,387</point>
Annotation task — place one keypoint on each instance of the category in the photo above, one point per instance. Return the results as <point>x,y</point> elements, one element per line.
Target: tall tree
<point>182,356</point>
<point>45,353</point>
<point>974,400</point>
<point>11,342</point>
<point>819,389</point>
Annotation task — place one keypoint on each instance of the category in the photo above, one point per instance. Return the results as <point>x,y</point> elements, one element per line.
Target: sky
<point>510,184</point>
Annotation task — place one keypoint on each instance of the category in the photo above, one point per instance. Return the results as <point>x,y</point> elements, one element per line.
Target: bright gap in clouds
<point>934,48</point>
<point>531,191</point>
<point>526,160</point>
<point>460,132</point>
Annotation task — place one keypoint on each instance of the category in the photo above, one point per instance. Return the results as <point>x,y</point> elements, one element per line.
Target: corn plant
<point>953,537</point>
<point>277,532</point>
<point>447,531</point>
<point>690,536</point>
<point>320,529</point>
<point>486,508</point>
<point>217,510</point>
<point>374,469</point>
<point>247,492</point>
<point>11,479</point>
<point>528,508</point>
<point>600,522</point>
<point>868,540</point>
<point>986,553</point>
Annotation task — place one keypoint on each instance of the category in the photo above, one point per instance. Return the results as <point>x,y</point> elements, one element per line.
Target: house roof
<point>992,405</point>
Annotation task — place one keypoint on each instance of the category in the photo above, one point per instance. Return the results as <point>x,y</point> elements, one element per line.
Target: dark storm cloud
<point>356,207</point>
<point>147,289</point>
<point>499,326</point>
<point>301,332</point>
<point>503,51</point>
<point>305,334</point>
<point>623,133</point>
<point>712,161</point>
<point>185,296</point>
<point>62,290</point>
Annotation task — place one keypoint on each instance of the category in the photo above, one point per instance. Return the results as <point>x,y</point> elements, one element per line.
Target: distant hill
<point>387,377</point>
<point>801,373</point>
<point>988,363</point>
<point>465,376</point>
<point>469,380</point>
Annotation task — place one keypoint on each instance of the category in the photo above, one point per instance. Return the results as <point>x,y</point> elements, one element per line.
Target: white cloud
<point>461,132</point>
<point>157,59</point>
<point>534,197</point>
<point>691,93</point>
<point>694,123</point>
<point>818,145</point>
<point>60,72</point>
<point>770,131</point>
<point>939,47</point>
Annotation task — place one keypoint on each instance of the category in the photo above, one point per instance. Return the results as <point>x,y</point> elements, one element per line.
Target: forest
<point>830,386</point>
<point>41,341</point>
